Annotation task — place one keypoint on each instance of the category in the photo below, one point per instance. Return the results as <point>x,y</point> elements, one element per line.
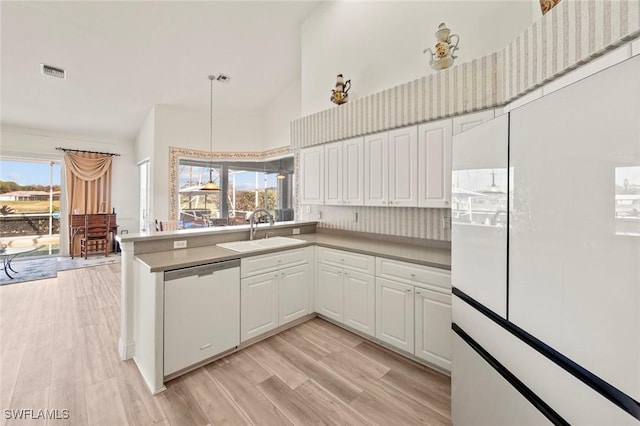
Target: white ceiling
<point>123,57</point>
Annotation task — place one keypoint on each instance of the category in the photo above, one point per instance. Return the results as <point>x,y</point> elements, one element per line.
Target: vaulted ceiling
<point>123,57</point>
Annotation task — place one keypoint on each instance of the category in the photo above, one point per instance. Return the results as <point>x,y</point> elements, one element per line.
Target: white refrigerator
<point>546,259</point>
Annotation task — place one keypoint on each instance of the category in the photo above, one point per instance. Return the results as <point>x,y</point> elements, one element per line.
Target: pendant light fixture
<point>211,186</point>
<point>281,174</point>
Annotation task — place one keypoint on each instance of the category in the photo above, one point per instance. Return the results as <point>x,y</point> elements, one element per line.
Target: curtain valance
<point>88,167</point>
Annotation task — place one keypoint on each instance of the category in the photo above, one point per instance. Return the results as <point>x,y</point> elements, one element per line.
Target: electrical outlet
<point>308,209</point>
<point>319,214</point>
<point>296,231</point>
<point>354,217</point>
<point>446,223</point>
<point>180,244</point>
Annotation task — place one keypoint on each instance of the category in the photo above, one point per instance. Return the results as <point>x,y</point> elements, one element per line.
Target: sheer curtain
<point>88,179</point>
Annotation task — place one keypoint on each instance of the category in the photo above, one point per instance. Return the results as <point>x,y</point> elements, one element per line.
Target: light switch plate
<point>180,244</point>
<point>354,217</point>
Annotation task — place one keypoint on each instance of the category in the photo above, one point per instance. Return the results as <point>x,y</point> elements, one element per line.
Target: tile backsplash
<point>400,221</point>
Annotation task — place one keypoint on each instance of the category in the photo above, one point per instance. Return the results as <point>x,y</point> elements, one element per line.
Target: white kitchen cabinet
<point>274,291</point>
<point>312,175</point>
<point>359,301</point>
<point>391,168</point>
<point>201,316</point>
<point>333,173</point>
<point>293,293</point>
<point>347,259</point>
<point>346,288</point>
<point>330,292</point>
<point>465,122</point>
<point>395,314</point>
<point>433,327</point>
<point>434,164</point>
<point>403,167</point>
<point>431,289</point>
<point>353,172</point>
<point>259,300</point>
<point>376,169</point>
<point>257,265</point>
<point>344,172</point>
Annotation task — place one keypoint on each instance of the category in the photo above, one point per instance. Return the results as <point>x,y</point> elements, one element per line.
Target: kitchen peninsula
<point>364,279</point>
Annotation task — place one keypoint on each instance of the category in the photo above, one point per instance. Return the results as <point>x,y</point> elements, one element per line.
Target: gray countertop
<point>198,232</point>
<point>182,258</point>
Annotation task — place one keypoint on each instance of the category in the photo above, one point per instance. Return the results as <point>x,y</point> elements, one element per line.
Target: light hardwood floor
<point>58,350</point>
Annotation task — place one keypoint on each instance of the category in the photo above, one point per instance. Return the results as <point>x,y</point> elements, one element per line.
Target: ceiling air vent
<point>53,71</point>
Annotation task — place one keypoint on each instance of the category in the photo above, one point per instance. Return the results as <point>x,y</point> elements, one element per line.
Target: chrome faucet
<point>252,221</point>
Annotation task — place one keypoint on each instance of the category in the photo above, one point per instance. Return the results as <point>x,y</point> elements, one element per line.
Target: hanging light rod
<point>211,185</point>
<point>58,148</point>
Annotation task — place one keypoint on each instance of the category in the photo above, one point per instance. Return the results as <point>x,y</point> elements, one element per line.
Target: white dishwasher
<point>201,313</point>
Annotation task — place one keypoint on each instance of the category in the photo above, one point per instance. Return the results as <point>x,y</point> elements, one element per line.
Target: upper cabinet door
<point>403,167</point>
<point>333,173</point>
<point>434,164</point>
<point>353,172</point>
<point>465,122</point>
<point>376,171</point>
<point>312,175</point>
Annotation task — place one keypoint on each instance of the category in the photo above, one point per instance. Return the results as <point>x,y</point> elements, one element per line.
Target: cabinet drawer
<point>255,265</point>
<point>410,273</point>
<point>347,259</point>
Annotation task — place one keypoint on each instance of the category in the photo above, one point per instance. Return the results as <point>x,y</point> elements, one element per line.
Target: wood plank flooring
<point>58,350</point>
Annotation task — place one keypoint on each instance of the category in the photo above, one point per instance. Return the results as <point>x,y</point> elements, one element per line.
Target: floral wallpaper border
<point>177,153</point>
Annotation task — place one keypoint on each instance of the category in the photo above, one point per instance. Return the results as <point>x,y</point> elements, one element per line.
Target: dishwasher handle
<point>200,270</point>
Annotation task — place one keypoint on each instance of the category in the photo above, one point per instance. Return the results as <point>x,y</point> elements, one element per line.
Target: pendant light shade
<point>211,185</point>
<point>281,174</point>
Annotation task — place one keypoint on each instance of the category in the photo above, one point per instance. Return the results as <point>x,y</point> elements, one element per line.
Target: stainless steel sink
<point>254,245</point>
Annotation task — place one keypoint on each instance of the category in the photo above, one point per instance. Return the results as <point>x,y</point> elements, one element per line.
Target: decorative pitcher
<point>444,55</point>
<point>339,95</point>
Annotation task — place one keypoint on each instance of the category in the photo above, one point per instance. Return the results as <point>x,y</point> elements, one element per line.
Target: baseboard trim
<point>126,351</point>
<point>388,347</point>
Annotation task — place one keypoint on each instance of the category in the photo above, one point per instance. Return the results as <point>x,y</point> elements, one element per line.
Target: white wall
<point>279,115</point>
<point>189,128</point>
<point>22,143</point>
<point>379,45</point>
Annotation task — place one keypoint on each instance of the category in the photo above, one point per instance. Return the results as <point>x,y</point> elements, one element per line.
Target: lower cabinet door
<point>433,327</point>
<point>293,293</point>
<point>395,314</point>
<point>259,298</point>
<point>359,301</point>
<point>330,292</point>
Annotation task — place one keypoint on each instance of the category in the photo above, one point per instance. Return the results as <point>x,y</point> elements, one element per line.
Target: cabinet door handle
<point>446,203</point>
<point>413,275</point>
<point>203,347</point>
<point>384,202</point>
<point>390,202</point>
<point>276,275</point>
<point>408,290</point>
<point>417,292</point>
<point>346,273</point>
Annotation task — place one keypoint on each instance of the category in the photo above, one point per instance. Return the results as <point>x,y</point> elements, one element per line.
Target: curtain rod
<point>89,152</point>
